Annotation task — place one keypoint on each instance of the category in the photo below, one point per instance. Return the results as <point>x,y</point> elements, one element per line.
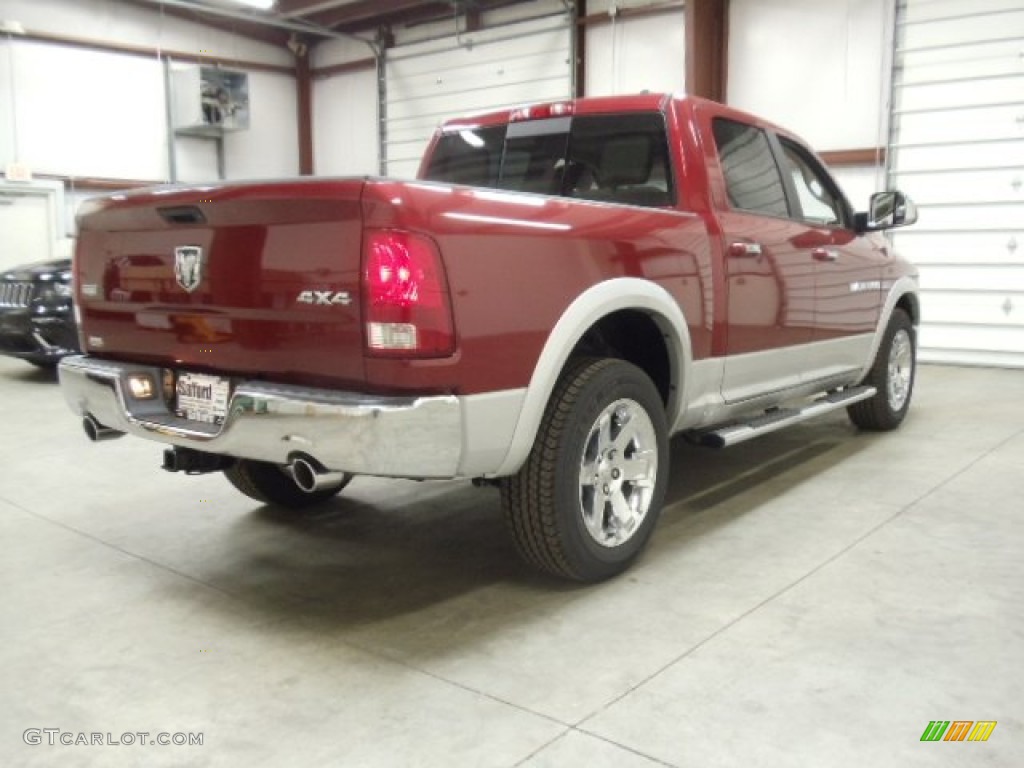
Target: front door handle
<point>825,254</point>
<point>744,250</point>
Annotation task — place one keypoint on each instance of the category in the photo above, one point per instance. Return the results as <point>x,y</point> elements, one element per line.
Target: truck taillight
<point>405,296</point>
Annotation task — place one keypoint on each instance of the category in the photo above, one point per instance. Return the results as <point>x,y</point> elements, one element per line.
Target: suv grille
<point>15,294</point>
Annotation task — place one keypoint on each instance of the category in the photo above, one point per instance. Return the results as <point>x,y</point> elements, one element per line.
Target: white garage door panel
<point>962,156</point>
<point>979,249</point>
<point>996,186</point>
<point>978,124</point>
<point>918,62</point>
<point>971,217</point>
<point>1005,344</point>
<point>958,149</point>
<point>966,28</point>
<point>964,277</point>
<point>436,103</point>
<point>948,68</point>
<point>432,81</point>
<point>992,91</point>
<point>944,9</point>
<point>974,309</point>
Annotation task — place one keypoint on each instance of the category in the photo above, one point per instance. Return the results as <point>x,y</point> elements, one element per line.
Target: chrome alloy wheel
<point>618,470</point>
<point>901,370</point>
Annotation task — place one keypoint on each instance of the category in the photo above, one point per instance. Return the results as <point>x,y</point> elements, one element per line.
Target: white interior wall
<point>344,112</point>
<point>79,112</point>
<point>136,25</point>
<point>821,69</point>
<point>345,124</point>
<point>633,54</point>
<point>270,148</point>
<point>7,153</point>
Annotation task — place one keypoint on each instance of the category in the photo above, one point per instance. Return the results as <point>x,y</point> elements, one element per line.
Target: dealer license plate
<point>201,397</point>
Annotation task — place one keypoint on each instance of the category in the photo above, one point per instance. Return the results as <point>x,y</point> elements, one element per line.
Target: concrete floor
<point>813,598</point>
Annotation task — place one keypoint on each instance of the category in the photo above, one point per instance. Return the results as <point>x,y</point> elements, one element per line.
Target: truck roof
<point>640,102</point>
<point>595,105</point>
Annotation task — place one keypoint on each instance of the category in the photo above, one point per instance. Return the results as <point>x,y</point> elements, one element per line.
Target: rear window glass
<point>613,158</point>
<point>471,156</point>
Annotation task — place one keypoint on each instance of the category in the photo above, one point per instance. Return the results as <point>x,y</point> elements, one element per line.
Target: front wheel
<point>273,484</point>
<point>892,374</point>
<point>588,497</point>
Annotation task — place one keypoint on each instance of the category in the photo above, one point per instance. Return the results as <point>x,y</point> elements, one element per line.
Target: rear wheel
<point>585,502</point>
<point>892,374</point>
<point>273,484</point>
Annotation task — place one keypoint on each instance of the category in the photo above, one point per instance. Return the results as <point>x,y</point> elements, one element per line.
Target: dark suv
<point>37,321</point>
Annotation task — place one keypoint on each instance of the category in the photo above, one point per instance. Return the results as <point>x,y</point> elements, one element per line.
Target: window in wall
<point>752,178</point>
<point>818,202</point>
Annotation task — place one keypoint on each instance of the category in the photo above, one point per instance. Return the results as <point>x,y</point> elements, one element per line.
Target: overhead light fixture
<point>261,5</point>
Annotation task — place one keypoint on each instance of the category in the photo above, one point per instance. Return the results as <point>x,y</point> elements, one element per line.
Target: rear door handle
<point>825,254</point>
<point>745,250</point>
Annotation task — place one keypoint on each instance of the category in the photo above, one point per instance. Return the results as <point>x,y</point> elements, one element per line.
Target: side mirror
<point>887,210</point>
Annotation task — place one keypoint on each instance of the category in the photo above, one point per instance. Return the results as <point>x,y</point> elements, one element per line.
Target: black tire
<point>560,507</point>
<point>273,484</point>
<point>892,374</point>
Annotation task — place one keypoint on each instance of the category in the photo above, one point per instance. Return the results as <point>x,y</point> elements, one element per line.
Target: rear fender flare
<point>603,299</point>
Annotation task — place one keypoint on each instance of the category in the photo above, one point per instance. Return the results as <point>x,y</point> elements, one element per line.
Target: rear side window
<point>752,177</point>
<point>614,158</point>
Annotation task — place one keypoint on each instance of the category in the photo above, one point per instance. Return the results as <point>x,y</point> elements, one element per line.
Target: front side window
<point>752,179</point>
<point>819,204</point>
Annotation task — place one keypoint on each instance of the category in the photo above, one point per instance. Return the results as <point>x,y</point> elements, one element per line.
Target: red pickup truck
<point>565,287</point>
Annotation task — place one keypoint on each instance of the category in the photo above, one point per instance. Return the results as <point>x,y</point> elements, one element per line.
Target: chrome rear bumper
<point>416,437</point>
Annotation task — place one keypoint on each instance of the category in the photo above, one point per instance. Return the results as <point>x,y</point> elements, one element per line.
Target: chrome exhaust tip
<point>97,432</point>
<point>311,476</point>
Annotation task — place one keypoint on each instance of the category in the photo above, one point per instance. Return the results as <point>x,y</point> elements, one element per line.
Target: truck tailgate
<point>240,279</point>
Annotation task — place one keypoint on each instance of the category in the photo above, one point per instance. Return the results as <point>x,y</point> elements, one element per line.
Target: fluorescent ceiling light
<point>263,5</point>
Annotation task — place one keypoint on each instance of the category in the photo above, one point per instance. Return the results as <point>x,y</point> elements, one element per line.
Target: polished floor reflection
<point>815,597</point>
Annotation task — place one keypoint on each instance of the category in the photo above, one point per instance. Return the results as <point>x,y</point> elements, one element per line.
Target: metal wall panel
<point>958,150</point>
<point>630,54</point>
<point>505,66</point>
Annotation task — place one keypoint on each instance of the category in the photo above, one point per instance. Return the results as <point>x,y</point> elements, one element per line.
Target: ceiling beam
<point>372,12</point>
<point>254,18</point>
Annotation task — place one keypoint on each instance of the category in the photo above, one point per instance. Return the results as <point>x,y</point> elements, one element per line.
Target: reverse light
<point>141,386</point>
<point>405,296</point>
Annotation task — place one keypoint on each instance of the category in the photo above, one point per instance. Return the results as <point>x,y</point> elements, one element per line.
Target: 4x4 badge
<point>188,266</point>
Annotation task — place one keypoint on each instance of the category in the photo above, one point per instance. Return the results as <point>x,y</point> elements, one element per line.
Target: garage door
<point>505,66</point>
<point>958,149</point>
